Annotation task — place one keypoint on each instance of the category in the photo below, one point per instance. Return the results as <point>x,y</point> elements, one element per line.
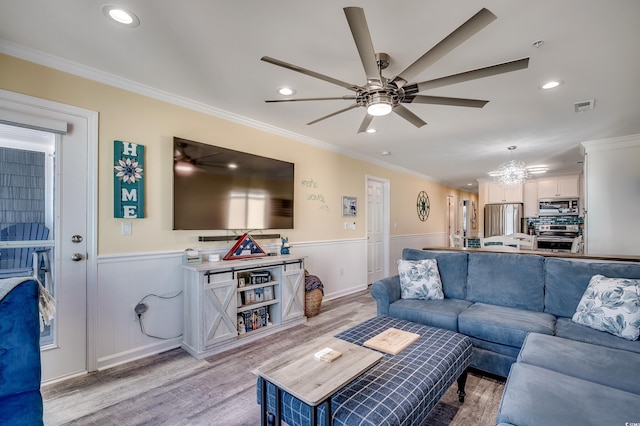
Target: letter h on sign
<point>128,180</point>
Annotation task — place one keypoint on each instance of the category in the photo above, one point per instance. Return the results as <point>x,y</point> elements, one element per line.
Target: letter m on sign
<point>128,180</point>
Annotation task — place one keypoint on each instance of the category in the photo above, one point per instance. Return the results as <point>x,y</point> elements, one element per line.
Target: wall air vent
<point>585,105</point>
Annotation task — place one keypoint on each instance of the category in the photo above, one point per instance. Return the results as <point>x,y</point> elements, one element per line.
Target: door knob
<point>76,257</point>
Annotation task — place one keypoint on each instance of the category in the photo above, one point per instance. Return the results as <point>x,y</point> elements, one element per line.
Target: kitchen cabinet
<point>531,199</point>
<point>499,193</point>
<point>230,303</point>
<point>563,186</point>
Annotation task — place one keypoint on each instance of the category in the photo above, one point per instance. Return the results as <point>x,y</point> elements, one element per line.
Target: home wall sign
<point>423,206</point>
<point>128,180</point>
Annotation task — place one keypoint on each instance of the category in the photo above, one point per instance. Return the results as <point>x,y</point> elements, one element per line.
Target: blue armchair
<point>20,369</point>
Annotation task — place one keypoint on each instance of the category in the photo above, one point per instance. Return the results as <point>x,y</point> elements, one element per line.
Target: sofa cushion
<point>420,279</point>
<point>20,369</point>
<point>499,324</point>
<point>435,313</point>
<point>611,305</point>
<point>536,396</point>
<point>22,409</point>
<point>595,363</point>
<point>506,279</point>
<point>452,267</point>
<point>567,279</point>
<point>570,330</point>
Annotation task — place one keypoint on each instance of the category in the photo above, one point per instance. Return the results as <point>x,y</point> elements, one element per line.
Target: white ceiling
<point>209,52</point>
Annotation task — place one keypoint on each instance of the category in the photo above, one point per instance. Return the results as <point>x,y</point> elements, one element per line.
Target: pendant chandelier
<point>511,173</point>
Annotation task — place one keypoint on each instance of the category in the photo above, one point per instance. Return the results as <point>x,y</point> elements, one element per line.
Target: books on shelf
<point>259,277</point>
<point>268,293</point>
<point>254,319</point>
<point>392,340</point>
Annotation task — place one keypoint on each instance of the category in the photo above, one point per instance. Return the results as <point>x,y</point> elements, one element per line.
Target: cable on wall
<point>142,307</point>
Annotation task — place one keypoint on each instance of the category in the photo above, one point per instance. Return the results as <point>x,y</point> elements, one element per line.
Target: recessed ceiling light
<point>286,91</point>
<point>551,84</point>
<point>120,15</point>
<point>386,153</point>
<point>232,165</point>
<point>371,130</point>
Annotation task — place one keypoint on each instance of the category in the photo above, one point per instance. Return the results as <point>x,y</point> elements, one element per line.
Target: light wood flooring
<point>174,388</point>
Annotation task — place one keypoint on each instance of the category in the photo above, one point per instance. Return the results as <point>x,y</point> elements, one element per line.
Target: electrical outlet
<point>141,308</point>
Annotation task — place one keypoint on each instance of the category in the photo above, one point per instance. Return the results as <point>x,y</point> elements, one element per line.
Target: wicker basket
<point>312,302</point>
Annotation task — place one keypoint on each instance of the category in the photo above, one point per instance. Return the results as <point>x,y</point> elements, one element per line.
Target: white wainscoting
<point>418,241</point>
<point>125,279</point>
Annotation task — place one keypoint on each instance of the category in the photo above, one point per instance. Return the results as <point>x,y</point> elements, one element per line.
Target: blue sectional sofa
<point>498,298</point>
<point>20,371</point>
<point>559,382</point>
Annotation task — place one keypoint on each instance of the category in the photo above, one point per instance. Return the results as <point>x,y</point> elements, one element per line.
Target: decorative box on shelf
<point>191,256</point>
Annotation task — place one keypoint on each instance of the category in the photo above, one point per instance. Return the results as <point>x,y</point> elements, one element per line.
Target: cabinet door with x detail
<point>219,319</point>
<point>292,292</point>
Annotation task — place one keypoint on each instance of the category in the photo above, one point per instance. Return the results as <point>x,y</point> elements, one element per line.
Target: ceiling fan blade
<point>305,71</point>
<point>338,98</point>
<point>439,100</point>
<point>474,74</point>
<point>409,116</point>
<point>360,31</point>
<point>464,32</point>
<point>334,113</point>
<point>365,123</point>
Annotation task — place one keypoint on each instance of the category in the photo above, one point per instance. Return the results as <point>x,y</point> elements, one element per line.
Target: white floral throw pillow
<point>611,305</point>
<point>420,279</point>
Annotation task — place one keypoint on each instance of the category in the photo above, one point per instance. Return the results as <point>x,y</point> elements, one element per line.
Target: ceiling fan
<point>381,95</point>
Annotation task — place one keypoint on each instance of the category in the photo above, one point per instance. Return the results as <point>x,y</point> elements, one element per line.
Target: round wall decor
<point>423,206</point>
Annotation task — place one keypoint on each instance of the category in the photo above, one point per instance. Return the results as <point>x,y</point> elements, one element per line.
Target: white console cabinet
<point>218,294</point>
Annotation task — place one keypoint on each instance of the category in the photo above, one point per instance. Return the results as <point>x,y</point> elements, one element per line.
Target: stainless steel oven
<point>557,238</point>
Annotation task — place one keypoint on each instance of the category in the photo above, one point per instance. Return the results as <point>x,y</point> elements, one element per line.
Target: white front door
<point>377,231</point>
<point>72,226</point>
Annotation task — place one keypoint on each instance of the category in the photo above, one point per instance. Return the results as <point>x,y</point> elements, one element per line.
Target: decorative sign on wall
<point>245,247</point>
<point>423,206</point>
<point>128,180</point>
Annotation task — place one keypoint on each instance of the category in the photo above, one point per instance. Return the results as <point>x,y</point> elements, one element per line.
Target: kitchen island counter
<point>545,253</point>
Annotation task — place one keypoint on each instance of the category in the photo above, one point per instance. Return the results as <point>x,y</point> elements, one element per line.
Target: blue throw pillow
<point>611,305</point>
<point>420,279</point>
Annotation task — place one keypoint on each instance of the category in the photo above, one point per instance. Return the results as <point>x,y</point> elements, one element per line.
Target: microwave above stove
<point>558,207</point>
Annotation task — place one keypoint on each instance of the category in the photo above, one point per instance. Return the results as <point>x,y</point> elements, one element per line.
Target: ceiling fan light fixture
<point>380,104</point>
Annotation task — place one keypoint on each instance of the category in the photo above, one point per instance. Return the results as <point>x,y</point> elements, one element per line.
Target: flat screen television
<point>217,188</point>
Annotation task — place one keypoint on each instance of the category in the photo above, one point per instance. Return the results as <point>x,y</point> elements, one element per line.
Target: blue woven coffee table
<point>400,390</point>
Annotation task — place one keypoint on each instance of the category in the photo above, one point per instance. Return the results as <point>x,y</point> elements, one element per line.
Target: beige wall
<point>135,118</point>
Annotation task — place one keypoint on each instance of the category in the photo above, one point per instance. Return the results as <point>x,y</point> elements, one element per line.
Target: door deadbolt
<point>76,257</point>
<point>76,239</point>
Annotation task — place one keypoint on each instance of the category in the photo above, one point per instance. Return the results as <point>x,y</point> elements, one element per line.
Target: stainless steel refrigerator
<point>502,219</point>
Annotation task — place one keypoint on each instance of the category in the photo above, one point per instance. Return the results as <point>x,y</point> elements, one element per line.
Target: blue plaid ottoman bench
<point>400,390</point>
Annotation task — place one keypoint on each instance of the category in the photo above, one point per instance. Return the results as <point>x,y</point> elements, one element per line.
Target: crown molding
<point>622,142</point>
<point>74,68</point>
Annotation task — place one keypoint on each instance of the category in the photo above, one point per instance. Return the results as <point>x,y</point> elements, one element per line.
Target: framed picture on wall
<point>349,206</point>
